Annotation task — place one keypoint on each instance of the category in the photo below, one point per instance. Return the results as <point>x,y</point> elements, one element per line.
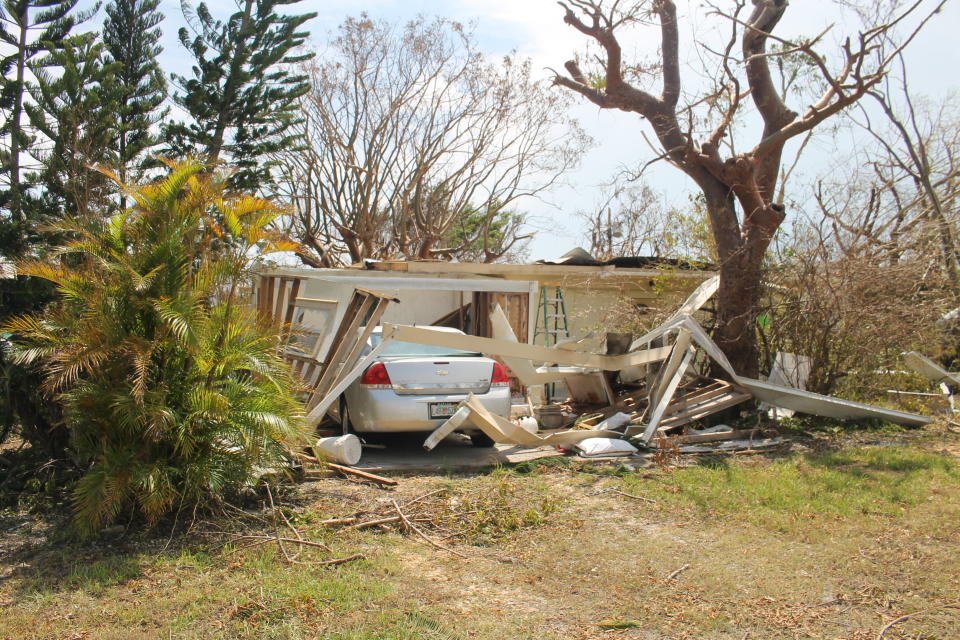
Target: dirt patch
<point>834,540</point>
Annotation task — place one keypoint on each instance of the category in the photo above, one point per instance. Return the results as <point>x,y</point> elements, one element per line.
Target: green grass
<point>765,539</point>
<point>804,489</point>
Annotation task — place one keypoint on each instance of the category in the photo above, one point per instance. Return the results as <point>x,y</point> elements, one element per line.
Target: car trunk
<point>427,376</point>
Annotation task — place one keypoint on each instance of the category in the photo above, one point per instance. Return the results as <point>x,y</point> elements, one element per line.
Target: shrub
<point>173,395</point>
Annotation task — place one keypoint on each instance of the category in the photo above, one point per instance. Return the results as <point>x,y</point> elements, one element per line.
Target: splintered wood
<point>702,402</point>
<point>321,365</point>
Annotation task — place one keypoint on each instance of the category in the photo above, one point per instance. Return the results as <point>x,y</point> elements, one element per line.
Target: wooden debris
<point>277,514</point>
<point>408,518</point>
<point>674,574</point>
<point>410,526</point>
<point>362,474</point>
<point>736,434</point>
<point>502,430</point>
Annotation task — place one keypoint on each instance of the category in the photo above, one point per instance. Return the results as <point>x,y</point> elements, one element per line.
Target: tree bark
<point>16,205</point>
<point>230,88</point>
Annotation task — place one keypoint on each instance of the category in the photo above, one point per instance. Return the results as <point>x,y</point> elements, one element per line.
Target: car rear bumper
<point>382,410</point>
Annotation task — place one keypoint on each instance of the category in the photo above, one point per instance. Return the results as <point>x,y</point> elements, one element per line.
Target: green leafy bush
<point>173,395</point>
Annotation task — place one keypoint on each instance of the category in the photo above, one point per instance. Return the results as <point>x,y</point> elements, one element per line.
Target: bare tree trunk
<point>16,192</point>
<point>737,299</point>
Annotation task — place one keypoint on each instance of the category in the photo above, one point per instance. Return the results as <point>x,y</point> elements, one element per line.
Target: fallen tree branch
<point>355,556</point>
<point>378,522</point>
<point>250,536</point>
<point>892,623</point>
<point>362,474</point>
<point>676,573</point>
<point>622,493</point>
<point>332,522</point>
<point>410,526</point>
<point>635,497</point>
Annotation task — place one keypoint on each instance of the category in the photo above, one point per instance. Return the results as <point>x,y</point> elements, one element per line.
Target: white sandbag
<point>341,449</point>
<point>614,422</point>
<point>604,447</point>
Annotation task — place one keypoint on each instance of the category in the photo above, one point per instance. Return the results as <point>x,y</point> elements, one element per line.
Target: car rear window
<point>422,350</point>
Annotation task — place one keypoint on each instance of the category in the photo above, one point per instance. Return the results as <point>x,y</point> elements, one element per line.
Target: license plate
<point>442,409</point>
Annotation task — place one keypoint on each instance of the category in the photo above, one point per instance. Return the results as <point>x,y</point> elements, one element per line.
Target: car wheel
<point>345,418</point>
<point>481,440</point>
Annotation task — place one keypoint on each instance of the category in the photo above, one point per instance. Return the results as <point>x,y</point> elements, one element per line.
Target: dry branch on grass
<point>904,618</point>
<point>436,521</point>
<point>277,515</point>
<point>622,493</point>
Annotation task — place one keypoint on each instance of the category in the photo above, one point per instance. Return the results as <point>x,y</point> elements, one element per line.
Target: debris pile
<point>662,398</point>
<point>672,397</point>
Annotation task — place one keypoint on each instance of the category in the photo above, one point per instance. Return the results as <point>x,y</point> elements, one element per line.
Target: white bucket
<point>528,423</point>
<point>343,449</point>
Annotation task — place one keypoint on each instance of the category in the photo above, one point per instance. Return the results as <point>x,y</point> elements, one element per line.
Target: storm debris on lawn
<point>655,413</point>
<point>438,518</point>
<point>288,538</point>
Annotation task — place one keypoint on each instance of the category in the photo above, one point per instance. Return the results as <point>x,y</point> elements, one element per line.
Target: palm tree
<point>173,394</point>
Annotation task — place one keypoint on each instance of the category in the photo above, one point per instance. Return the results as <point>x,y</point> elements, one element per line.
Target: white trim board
<point>421,335</point>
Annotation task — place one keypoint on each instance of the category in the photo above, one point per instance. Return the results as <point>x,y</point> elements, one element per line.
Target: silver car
<point>415,387</point>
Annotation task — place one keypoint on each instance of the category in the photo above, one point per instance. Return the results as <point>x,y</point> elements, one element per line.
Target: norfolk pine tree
<point>29,27</point>
<point>242,96</point>
<point>131,37</point>
<point>75,108</point>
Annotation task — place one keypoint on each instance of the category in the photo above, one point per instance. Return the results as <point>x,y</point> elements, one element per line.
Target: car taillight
<point>499,377</point>
<point>376,377</point>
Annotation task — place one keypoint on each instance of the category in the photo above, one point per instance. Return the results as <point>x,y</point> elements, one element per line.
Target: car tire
<point>345,423</point>
<point>481,440</point>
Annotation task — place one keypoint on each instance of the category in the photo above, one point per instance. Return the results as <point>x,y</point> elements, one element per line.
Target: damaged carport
<point>658,410</point>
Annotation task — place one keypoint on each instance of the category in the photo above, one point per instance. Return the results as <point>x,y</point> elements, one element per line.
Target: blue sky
<point>535,28</point>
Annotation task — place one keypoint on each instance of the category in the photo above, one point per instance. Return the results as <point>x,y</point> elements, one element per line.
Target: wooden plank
<point>278,307</point>
<point>420,335</point>
<point>667,396</point>
<point>736,434</point>
<point>705,410</point>
<point>334,362</point>
<point>349,317</point>
<point>319,410</point>
<point>262,314</point>
<point>361,340</point>
<point>361,474</point>
<point>315,304</point>
<point>268,299</point>
<point>292,306</point>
